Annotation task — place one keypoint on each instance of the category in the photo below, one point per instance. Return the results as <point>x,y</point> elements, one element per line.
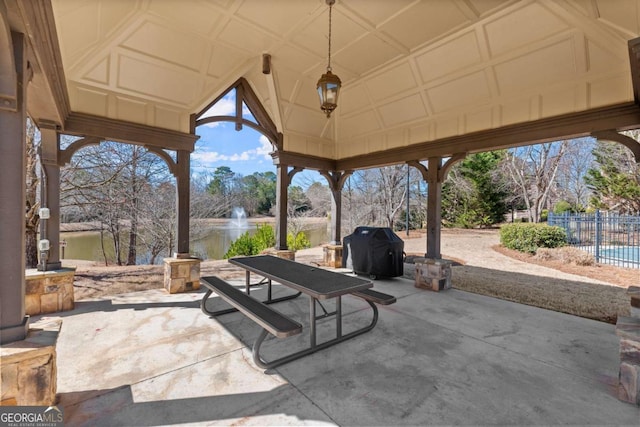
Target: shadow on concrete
<point>87,408</point>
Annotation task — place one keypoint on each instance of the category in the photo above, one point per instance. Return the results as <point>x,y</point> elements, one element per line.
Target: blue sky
<point>244,152</point>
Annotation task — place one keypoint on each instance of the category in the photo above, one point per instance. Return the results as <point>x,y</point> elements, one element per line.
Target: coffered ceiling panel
<point>623,15</point>
<point>222,59</point>
<point>356,97</point>
<point>156,80</point>
<point>467,90</point>
<point>524,26</point>
<point>412,71</point>
<point>391,82</point>
<point>365,54</point>
<point>483,7</point>
<point>289,14</point>
<point>197,16</point>
<point>449,57</point>
<point>246,37</point>
<point>433,18</point>
<point>516,74</point>
<point>402,110</point>
<point>166,44</point>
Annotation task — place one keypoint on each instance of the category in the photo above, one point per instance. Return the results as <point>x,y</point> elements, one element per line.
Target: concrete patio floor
<point>150,359</point>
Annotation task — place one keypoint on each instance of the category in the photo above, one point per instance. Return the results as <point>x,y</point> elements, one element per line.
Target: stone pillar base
<point>28,367</point>
<point>181,274</point>
<point>628,329</point>
<point>433,274</point>
<point>49,291</point>
<point>281,253</point>
<point>634,296</point>
<point>332,256</point>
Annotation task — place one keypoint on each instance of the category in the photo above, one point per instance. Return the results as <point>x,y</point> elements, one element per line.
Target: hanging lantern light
<point>329,84</point>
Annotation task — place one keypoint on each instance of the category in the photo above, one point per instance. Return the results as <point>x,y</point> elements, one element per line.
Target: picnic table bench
<point>317,283</point>
<point>273,321</point>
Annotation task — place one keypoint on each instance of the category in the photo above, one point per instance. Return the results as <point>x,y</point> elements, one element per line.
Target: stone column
<point>50,192</point>
<point>432,274</point>
<point>28,367</point>
<point>628,329</point>
<point>14,324</point>
<point>181,275</point>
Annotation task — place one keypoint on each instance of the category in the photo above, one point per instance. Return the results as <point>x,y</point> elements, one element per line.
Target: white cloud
<point>260,153</point>
<point>224,107</point>
<point>265,147</point>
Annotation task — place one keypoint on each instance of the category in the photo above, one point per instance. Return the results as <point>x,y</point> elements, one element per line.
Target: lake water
<point>85,245</point>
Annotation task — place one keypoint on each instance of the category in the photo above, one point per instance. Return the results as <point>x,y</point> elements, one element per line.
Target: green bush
<point>561,207</point>
<point>544,215</point>
<point>263,238</point>
<point>299,241</point>
<point>528,238</point>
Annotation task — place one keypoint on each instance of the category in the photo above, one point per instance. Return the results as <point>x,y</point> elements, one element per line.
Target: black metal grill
<point>376,251</point>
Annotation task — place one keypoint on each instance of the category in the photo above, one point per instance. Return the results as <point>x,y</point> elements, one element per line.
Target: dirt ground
<point>481,266</point>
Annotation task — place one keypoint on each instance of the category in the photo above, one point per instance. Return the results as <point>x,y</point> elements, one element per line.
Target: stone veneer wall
<point>181,274</point>
<point>432,274</point>
<point>49,291</point>
<point>628,329</point>
<point>332,256</point>
<point>286,254</point>
<point>28,367</point>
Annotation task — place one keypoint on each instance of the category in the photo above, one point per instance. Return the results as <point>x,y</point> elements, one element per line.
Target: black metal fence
<point>611,238</point>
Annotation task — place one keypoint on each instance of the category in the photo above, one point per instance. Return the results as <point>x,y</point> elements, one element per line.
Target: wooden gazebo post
<point>432,272</point>
<point>50,192</point>
<point>14,324</point>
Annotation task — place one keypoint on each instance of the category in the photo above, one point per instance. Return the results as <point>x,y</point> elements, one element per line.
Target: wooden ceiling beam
<point>575,125</point>
<point>133,133</point>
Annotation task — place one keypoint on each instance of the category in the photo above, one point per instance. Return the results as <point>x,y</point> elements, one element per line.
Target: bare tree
<point>109,182</point>
<point>158,221</point>
<point>375,196</point>
<point>392,192</point>
<point>320,197</point>
<point>533,170</point>
<point>572,169</point>
<point>32,217</point>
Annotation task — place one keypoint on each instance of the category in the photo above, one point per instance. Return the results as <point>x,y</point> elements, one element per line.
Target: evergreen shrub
<point>246,244</point>
<point>561,207</point>
<point>528,237</point>
<point>299,241</point>
<point>263,238</point>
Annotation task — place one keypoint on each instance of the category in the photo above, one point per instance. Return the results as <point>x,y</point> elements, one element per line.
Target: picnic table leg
<point>314,347</point>
<point>338,316</point>
<point>312,321</point>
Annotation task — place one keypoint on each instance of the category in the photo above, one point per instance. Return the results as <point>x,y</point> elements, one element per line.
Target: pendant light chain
<point>329,63</point>
<point>329,84</point>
